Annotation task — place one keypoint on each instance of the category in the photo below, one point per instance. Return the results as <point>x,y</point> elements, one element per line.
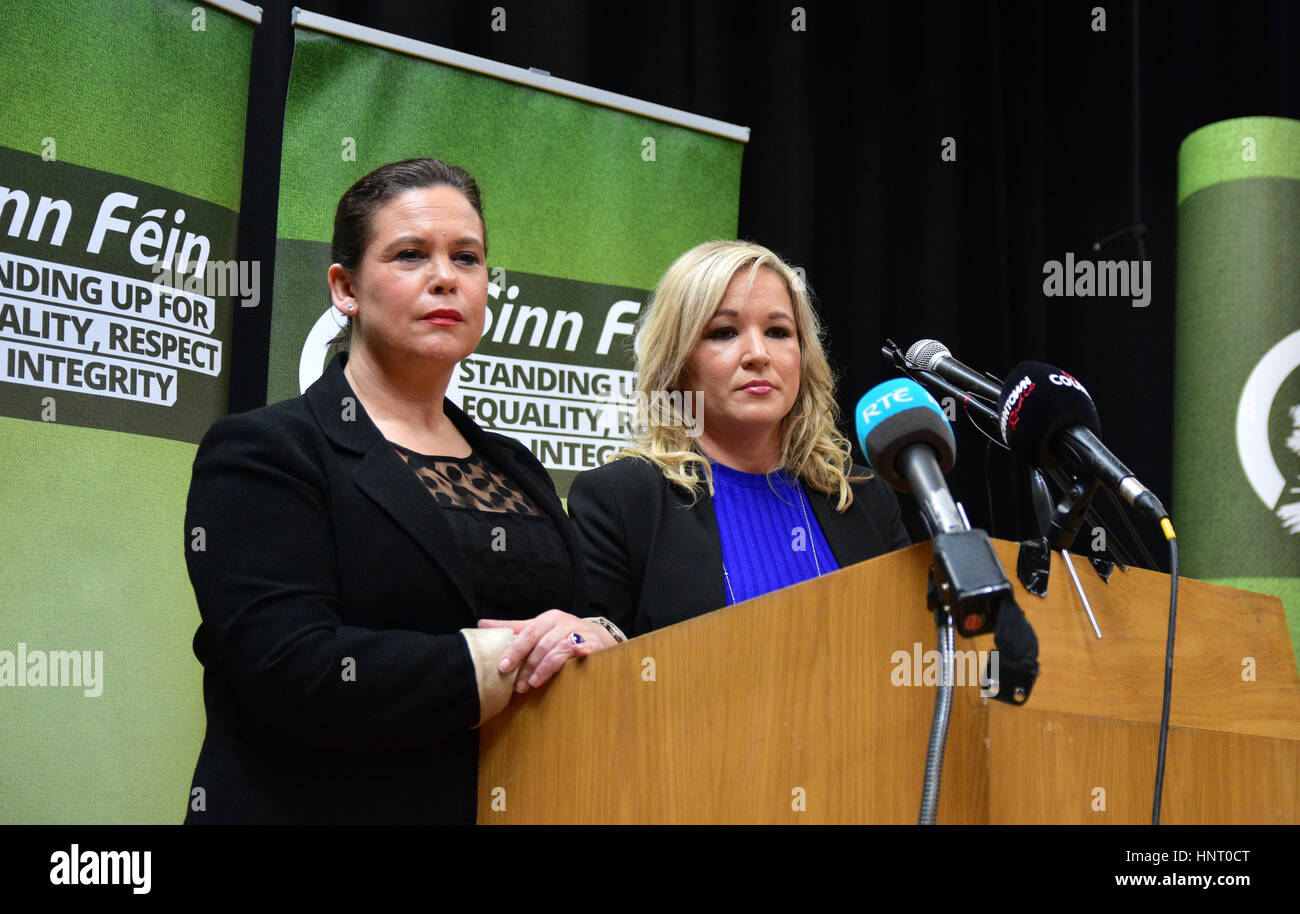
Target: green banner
<point>1237,376</point>
<point>586,205</point>
<point>120,165</point>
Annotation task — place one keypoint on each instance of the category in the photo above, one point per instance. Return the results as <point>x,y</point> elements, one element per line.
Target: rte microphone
<point>934,356</point>
<point>907,440</point>
<point>1047,418</point>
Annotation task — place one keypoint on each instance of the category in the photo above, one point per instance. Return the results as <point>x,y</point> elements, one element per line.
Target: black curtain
<point>1064,135</point>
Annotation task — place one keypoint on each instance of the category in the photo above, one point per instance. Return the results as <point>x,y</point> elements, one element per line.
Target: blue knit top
<point>770,536</point>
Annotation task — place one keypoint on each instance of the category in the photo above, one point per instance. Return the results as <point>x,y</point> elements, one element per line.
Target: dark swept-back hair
<point>354,218</point>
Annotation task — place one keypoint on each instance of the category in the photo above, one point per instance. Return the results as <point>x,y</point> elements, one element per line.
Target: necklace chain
<point>803,506</point>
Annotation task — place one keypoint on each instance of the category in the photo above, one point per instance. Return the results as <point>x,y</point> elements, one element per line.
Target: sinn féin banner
<point>121,153</point>
<point>1237,375</point>
<point>589,196</point>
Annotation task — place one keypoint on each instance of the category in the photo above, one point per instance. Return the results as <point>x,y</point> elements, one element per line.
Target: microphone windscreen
<point>895,414</point>
<point>1038,400</point>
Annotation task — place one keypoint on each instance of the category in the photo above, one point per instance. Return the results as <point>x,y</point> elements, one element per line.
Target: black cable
<point>1169,669</point>
<point>1132,531</point>
<point>1139,229</point>
<point>988,483</point>
<point>998,441</point>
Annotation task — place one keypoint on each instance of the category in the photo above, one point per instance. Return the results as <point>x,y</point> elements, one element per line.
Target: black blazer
<point>653,559</point>
<point>332,590</point>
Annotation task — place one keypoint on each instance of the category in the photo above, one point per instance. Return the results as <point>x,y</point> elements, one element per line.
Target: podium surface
<point>813,704</point>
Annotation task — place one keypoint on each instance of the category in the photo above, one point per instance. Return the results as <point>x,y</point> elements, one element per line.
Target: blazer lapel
<point>698,540</point>
<point>384,477</point>
<point>395,487</point>
<point>541,493</point>
<point>852,535</point>
<point>708,559</point>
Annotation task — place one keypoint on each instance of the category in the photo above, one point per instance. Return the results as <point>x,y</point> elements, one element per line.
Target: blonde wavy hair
<point>673,324</point>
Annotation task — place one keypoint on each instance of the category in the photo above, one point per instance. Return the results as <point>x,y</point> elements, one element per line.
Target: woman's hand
<point>545,643</point>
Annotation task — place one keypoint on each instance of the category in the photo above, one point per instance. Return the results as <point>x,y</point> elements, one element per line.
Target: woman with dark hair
<point>377,574</point>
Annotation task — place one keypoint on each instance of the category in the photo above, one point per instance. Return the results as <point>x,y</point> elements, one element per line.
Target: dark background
<point>1064,137</point>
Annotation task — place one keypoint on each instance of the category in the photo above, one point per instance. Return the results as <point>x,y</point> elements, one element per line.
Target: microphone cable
<point>1168,530</point>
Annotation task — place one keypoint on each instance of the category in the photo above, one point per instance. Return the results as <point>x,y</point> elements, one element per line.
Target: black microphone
<point>933,355</point>
<point>1047,418</point>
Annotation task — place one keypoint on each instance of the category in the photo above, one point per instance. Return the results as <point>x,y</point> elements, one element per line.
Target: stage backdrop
<point>588,197</point>
<point>121,147</point>
<point>1237,378</point>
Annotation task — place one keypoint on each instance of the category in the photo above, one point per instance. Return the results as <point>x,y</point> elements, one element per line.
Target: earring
<point>352,307</point>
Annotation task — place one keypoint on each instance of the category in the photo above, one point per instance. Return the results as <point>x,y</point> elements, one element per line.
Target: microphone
<point>934,356</point>
<point>1048,419</point>
<point>907,440</point>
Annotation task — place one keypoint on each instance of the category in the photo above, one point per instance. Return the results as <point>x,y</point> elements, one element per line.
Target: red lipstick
<point>443,317</point>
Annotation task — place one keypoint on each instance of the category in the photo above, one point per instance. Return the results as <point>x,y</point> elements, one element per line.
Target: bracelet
<point>608,626</point>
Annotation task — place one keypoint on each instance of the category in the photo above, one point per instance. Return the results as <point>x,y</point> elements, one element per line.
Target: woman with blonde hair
<point>738,481</point>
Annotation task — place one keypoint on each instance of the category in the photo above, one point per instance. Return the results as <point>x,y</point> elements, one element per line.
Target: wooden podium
<point>807,706</point>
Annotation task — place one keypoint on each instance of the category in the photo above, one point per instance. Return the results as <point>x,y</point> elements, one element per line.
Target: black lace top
<point>518,564</point>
